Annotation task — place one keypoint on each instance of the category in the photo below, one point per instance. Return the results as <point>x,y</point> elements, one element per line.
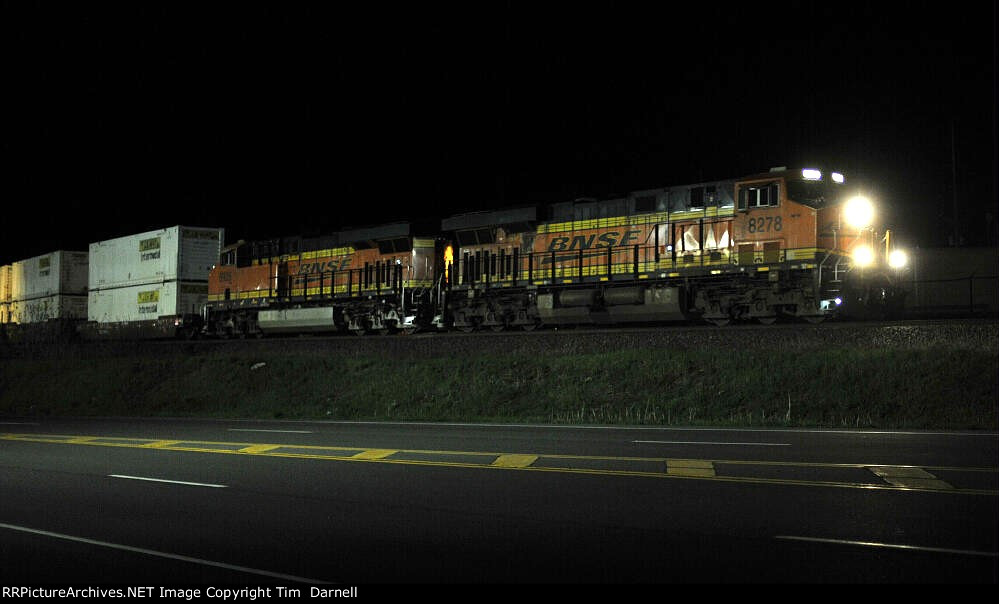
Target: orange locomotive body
<point>376,280</point>
<point>761,247</point>
<point>777,244</point>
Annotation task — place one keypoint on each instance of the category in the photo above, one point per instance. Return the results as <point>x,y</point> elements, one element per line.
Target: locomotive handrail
<point>610,262</point>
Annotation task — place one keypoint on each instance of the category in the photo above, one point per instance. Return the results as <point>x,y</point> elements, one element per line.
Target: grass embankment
<point>922,388</point>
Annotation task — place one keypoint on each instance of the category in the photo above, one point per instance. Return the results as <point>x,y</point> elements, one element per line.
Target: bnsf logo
<point>584,242</point>
<point>308,268</point>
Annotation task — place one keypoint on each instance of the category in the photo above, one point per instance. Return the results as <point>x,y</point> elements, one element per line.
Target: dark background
<point>285,119</point>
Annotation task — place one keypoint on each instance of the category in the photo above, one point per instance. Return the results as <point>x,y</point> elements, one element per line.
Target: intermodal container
<point>146,302</point>
<point>54,274</point>
<point>5,294</point>
<point>5,283</point>
<point>178,253</point>
<point>46,308</point>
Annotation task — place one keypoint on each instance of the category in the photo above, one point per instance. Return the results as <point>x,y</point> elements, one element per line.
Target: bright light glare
<point>811,174</point>
<point>859,212</point>
<point>838,178</point>
<point>863,256</point>
<point>839,301</point>
<point>898,259</point>
<point>448,260</point>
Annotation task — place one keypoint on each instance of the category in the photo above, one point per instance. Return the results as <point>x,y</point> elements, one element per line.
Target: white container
<point>175,253</point>
<point>58,273</point>
<point>5,283</point>
<point>146,302</point>
<point>39,310</point>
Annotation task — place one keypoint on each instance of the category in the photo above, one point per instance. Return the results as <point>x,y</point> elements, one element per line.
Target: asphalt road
<point>170,502</point>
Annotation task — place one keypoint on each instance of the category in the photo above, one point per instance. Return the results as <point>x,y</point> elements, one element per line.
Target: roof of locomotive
<point>489,218</point>
<point>796,173</point>
<point>715,193</point>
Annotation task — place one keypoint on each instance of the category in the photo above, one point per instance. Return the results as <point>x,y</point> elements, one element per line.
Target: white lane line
<point>697,442</point>
<point>890,545</point>
<point>284,431</point>
<point>150,552</point>
<point>631,428</point>
<point>193,484</point>
<point>335,422</point>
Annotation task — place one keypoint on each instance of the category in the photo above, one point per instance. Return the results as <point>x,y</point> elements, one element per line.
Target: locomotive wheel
<point>767,320</point>
<point>815,320</point>
<point>529,326</point>
<point>500,327</point>
<point>466,329</point>
<point>720,322</point>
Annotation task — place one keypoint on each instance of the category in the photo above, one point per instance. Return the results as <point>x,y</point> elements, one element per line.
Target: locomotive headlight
<point>859,212</point>
<point>810,174</point>
<point>863,256</point>
<point>898,259</point>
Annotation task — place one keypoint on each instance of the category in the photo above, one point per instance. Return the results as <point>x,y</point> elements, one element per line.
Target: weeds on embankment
<point>934,387</point>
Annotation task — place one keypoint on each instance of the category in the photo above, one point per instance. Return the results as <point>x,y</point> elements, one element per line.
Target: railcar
<point>785,243</point>
<point>374,280</point>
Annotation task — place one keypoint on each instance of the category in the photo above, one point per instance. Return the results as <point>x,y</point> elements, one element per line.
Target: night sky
<point>306,118</point>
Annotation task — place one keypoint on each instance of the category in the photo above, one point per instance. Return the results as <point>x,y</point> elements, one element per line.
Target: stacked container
<point>154,277</point>
<point>4,294</point>
<point>43,288</point>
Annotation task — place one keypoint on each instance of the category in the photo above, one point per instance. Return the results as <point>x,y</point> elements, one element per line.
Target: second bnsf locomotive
<point>371,280</point>
<point>782,244</point>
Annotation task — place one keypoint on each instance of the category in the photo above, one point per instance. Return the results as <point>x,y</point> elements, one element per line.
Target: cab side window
<point>759,196</point>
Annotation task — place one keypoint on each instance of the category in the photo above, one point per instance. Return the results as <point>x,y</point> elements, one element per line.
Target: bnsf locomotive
<point>373,280</point>
<point>786,243</point>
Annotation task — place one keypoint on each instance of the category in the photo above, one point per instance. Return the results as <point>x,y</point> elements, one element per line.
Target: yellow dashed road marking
<point>909,477</point>
<point>698,468</point>
<point>81,440</point>
<point>374,454</point>
<point>161,443</point>
<point>515,461</point>
<point>254,449</point>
